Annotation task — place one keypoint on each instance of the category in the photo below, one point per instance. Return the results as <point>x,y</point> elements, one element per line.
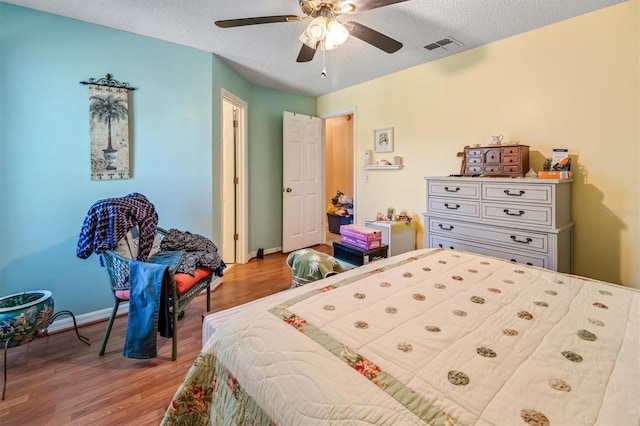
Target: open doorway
<point>339,162</point>
<point>233,245</point>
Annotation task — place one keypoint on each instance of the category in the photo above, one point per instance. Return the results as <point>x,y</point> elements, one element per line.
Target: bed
<point>427,337</point>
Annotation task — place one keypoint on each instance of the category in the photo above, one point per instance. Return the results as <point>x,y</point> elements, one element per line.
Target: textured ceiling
<point>266,54</point>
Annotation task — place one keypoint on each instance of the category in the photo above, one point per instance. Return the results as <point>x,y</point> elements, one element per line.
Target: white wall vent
<point>447,43</point>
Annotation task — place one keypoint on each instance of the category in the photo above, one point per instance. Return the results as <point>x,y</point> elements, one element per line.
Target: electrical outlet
<point>366,179</point>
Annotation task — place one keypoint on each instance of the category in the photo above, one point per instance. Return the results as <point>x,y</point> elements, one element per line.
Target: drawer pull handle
<point>446,188</point>
<point>457,206</point>
<point>450,228</point>
<point>520,212</point>
<point>519,194</point>
<point>527,241</point>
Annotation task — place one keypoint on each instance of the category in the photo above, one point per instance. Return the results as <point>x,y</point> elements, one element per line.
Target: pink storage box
<point>362,244</point>
<point>360,232</point>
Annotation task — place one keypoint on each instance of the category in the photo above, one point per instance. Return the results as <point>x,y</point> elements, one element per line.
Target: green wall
<point>45,184</point>
<point>264,151</point>
<point>265,162</point>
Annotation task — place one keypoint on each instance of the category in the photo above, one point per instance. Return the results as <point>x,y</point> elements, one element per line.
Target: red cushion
<point>185,281</point>
<point>122,294</point>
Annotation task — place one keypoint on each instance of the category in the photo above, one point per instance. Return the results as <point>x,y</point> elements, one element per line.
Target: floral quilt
<point>427,337</point>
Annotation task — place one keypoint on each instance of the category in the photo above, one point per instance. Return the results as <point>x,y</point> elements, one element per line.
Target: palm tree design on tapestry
<point>106,109</point>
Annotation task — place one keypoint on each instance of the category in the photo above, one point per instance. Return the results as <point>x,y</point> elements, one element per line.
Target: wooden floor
<point>58,380</point>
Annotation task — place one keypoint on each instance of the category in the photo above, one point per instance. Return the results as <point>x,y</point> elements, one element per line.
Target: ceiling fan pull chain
<point>323,73</point>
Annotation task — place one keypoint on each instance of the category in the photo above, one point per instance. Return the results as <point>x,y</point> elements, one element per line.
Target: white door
<point>229,179</point>
<point>233,244</point>
<point>303,187</point>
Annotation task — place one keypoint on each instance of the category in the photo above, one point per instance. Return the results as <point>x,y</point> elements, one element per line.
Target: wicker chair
<point>184,288</point>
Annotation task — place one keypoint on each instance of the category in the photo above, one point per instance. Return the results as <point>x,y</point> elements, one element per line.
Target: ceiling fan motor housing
<point>314,8</point>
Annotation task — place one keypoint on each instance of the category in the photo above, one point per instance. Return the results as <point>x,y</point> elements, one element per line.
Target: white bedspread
<point>432,336</point>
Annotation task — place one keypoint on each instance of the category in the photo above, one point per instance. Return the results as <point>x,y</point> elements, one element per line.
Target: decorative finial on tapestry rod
<point>109,82</point>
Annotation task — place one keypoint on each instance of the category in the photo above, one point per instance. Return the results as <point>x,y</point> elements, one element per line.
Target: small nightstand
<point>399,236</point>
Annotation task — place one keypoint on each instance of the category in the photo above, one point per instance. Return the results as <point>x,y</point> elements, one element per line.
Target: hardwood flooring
<point>58,380</point>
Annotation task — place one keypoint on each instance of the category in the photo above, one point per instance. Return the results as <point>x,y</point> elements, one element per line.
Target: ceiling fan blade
<point>362,5</point>
<point>306,53</point>
<point>373,37</point>
<point>230,23</point>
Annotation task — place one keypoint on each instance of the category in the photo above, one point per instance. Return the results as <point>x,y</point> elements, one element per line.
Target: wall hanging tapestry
<point>109,128</point>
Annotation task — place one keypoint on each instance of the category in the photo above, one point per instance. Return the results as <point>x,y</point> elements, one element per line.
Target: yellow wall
<point>574,84</point>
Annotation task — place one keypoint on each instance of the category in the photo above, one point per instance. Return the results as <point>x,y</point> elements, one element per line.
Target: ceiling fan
<point>324,31</point>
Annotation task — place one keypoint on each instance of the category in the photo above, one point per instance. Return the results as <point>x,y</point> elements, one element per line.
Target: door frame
<point>241,211</point>
<point>333,114</point>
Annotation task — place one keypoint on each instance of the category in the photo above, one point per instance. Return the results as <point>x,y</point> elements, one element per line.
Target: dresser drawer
<point>525,258</point>
<point>492,156</point>
<point>519,239</point>
<point>512,168</point>
<point>510,159</point>
<point>512,150</point>
<point>474,160</point>
<point>454,207</point>
<point>454,189</point>
<point>518,192</point>
<point>518,214</point>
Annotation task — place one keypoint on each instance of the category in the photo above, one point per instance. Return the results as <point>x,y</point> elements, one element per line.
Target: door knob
<point>288,189</point>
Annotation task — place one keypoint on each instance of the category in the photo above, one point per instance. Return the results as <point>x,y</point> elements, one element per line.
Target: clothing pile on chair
<point>199,251</point>
<point>128,225</point>
<point>109,220</point>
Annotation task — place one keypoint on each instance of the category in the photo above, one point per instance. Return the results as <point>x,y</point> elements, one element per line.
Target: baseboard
<point>266,251</point>
<point>65,322</point>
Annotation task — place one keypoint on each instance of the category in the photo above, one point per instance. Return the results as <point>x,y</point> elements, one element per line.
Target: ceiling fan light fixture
<point>347,7</point>
<point>315,32</point>
<point>336,33</point>
<point>329,33</point>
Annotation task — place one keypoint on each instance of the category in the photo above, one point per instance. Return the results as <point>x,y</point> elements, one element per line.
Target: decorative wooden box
<point>497,160</point>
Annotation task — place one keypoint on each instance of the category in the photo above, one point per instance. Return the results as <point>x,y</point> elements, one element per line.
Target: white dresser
<point>522,220</point>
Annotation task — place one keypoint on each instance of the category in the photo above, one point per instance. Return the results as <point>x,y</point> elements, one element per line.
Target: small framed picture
<point>383,140</point>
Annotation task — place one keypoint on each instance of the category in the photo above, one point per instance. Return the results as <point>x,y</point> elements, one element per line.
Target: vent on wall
<point>447,43</point>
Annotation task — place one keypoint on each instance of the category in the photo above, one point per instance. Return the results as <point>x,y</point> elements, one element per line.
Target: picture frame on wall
<point>109,128</point>
<point>383,140</point>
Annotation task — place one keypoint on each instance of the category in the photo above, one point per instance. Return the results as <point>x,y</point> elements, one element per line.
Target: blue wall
<point>45,184</point>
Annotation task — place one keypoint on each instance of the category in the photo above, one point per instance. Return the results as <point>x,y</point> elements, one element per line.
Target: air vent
<point>447,43</point>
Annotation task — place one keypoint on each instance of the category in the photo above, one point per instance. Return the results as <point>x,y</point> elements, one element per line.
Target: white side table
<point>399,236</point>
